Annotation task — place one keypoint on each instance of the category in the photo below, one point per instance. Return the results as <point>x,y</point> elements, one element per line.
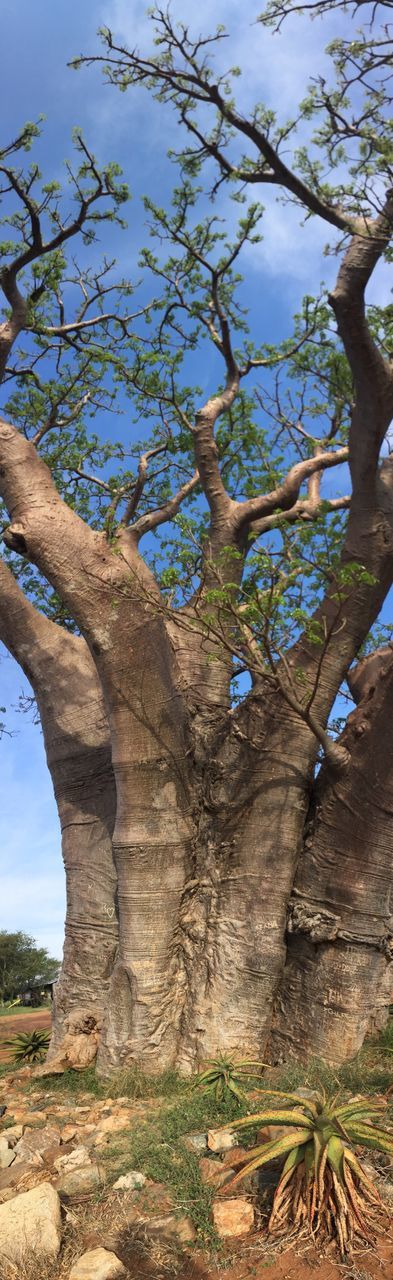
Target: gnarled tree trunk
<point>76,736</point>
<point>338,978</point>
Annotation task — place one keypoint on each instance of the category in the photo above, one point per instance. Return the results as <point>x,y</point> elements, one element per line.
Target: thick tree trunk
<point>338,980</point>
<point>152,849</point>
<point>79,759</point>
<point>76,736</point>
<point>210,803</point>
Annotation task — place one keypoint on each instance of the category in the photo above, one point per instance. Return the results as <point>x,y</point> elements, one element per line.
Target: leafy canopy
<point>23,963</point>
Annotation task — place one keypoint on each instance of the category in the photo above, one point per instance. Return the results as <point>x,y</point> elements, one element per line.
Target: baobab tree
<point>252,886</point>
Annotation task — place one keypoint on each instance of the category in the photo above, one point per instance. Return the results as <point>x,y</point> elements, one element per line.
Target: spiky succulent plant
<point>225,1078</point>
<point>322,1186</point>
<point>28,1046</point>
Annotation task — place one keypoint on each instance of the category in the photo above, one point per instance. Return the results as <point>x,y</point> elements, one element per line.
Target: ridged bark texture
<point>338,979</point>
<point>76,737</point>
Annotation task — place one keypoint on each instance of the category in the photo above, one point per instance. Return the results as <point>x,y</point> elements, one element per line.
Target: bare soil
<point>12,1025</point>
<point>252,1259</point>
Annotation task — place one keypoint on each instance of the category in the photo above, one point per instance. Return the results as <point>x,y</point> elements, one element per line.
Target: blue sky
<point>39,38</point>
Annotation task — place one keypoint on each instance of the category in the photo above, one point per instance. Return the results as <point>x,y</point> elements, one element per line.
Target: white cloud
<point>275,70</point>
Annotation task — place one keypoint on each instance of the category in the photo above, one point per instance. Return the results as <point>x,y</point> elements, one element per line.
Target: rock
<point>30,1226</point>
<point>171,1228</point>
<point>13,1134</point>
<point>153,1202</point>
<point>131,1181</point>
<point>213,1173</point>
<point>235,1156</point>
<point>110,1124</point>
<point>78,1182</point>
<point>97,1264</point>
<point>272,1131</point>
<point>68,1132</point>
<point>7,1156</point>
<point>12,1176</point>
<point>35,1142</point>
<point>75,1159</point>
<point>233,1217</point>
<point>51,1154</point>
<point>220,1140</point>
<point>9,1193</point>
<point>30,1118</point>
<point>196,1142</point>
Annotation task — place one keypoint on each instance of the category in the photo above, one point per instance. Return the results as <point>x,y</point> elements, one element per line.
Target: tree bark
<point>338,979</point>
<point>76,736</point>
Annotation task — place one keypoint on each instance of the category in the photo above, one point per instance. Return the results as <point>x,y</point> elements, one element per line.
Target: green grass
<point>24,1009</point>
<point>156,1148</point>
<point>155,1144</point>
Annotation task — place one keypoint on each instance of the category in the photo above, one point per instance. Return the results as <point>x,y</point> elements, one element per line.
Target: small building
<point>37,993</point>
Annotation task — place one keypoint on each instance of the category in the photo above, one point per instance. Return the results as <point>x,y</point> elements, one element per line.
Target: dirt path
<point>12,1024</point>
<point>252,1262</point>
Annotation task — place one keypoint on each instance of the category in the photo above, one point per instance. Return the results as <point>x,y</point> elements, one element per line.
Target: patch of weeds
<point>386,1038</point>
<point>367,1073</point>
<point>135,1083</point>
<point>6,1069</point>
<point>70,1083</point>
<point>156,1148</point>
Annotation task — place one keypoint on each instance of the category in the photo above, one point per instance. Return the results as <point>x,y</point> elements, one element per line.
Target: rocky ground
<point>74,1207</point>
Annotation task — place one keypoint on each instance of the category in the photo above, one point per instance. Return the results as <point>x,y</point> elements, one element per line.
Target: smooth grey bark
<point>76,737</point>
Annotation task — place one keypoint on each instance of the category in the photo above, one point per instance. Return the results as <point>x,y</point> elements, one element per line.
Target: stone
<point>131,1181</point>
<point>73,1160</point>
<point>196,1142</point>
<point>273,1131</point>
<point>34,1142</point>
<point>51,1154</point>
<point>233,1217</point>
<point>171,1228</point>
<point>68,1132</point>
<point>97,1264</point>
<point>110,1124</point>
<point>12,1176</point>
<point>7,1155</point>
<point>30,1118</point>
<point>13,1133</point>
<point>78,1182</point>
<point>235,1156</point>
<point>220,1140</point>
<point>30,1226</point>
<point>214,1173</point>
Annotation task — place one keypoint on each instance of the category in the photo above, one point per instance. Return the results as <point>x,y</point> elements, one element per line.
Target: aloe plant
<point>322,1186</point>
<point>28,1046</point>
<point>224,1078</point>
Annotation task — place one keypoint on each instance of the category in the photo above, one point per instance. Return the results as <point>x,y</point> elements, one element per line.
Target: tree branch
<point>153,519</point>
<point>372,375</point>
<point>286,494</point>
<point>136,494</point>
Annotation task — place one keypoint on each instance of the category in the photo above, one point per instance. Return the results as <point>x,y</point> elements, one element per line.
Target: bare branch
<point>303,510</point>
<point>141,481</point>
<point>286,494</point>
<point>153,519</point>
<point>372,374</point>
